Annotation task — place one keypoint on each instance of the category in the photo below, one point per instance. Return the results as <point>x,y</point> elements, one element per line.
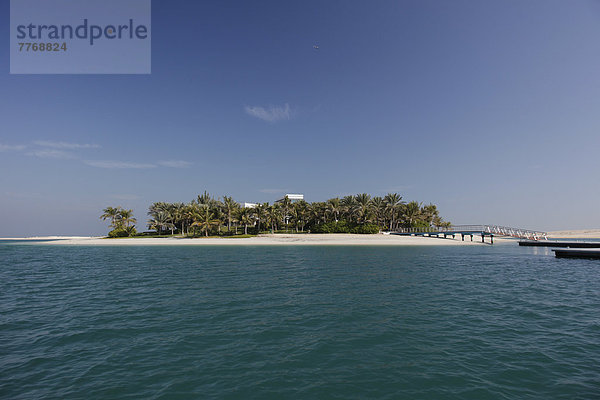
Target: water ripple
<point>485,322</point>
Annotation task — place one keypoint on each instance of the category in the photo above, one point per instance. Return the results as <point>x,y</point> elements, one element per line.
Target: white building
<point>292,196</point>
<point>249,205</point>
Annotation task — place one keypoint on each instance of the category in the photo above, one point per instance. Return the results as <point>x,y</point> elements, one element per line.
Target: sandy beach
<point>575,234</point>
<point>270,240</point>
<point>296,239</point>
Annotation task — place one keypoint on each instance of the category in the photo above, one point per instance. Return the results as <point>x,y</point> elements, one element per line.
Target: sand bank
<point>278,239</point>
<point>575,234</point>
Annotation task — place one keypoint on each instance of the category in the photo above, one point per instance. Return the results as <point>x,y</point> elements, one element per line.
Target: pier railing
<point>479,229</point>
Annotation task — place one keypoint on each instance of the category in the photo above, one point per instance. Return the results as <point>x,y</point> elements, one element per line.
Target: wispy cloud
<point>270,114</point>
<point>65,145</point>
<point>175,164</point>
<point>111,164</point>
<point>51,153</point>
<point>8,147</point>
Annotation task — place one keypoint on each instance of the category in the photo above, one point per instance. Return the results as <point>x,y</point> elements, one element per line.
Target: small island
<point>207,216</point>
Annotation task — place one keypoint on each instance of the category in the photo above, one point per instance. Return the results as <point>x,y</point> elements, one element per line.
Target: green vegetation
<point>239,236</point>
<point>121,220</point>
<point>345,227</point>
<point>207,216</point>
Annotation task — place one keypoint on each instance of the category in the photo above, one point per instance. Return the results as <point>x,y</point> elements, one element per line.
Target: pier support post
<point>471,238</point>
<point>463,237</point>
<point>492,239</point>
<point>482,237</point>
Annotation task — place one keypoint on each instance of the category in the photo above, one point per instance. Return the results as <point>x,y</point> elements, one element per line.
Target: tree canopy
<point>361,213</point>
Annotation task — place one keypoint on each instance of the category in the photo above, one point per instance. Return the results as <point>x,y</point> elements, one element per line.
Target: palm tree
<point>363,207</point>
<point>205,219</point>
<point>205,199</point>
<point>393,202</point>
<point>348,203</point>
<point>274,216</point>
<point>179,216</point>
<point>159,221</point>
<point>378,207</point>
<point>301,212</point>
<point>260,212</point>
<point>245,218</point>
<point>159,206</point>
<point>165,210</point>
<point>318,212</point>
<point>127,217</point>
<point>206,212</point>
<point>219,215</point>
<point>428,213</point>
<point>188,214</point>
<point>431,216</point>
<point>112,213</point>
<point>230,206</point>
<point>286,205</point>
<point>412,213</point>
<point>293,218</point>
<point>334,207</point>
<point>171,213</point>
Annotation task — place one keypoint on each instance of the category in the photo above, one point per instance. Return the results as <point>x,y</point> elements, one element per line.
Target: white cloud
<point>7,147</point>
<point>175,164</point>
<point>51,153</point>
<point>65,145</point>
<point>271,114</point>
<point>110,164</point>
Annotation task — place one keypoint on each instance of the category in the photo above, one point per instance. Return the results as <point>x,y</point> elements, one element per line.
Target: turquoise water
<point>475,322</point>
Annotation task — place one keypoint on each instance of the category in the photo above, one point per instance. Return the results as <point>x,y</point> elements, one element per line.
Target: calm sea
<point>473,322</point>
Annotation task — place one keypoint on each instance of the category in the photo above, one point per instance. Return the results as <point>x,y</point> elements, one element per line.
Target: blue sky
<point>487,109</point>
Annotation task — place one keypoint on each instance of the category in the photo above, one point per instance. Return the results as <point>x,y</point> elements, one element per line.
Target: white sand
<point>278,239</point>
<point>50,238</point>
<point>580,234</point>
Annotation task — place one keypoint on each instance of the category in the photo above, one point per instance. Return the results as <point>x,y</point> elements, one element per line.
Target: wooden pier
<point>577,253</point>
<point>473,230</point>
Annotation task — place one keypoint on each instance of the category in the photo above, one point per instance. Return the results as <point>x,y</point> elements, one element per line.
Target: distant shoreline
<point>336,239</point>
<point>575,234</point>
